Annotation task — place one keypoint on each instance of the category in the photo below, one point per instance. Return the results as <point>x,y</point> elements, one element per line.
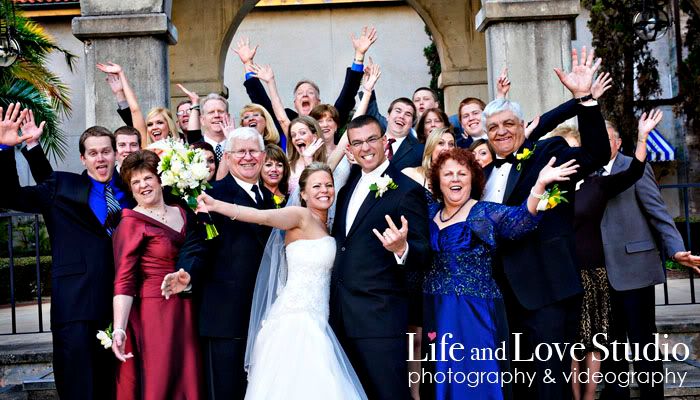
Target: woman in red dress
<point>155,338</point>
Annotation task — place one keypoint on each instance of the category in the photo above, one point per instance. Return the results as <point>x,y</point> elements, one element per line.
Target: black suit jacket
<point>38,163</point>
<point>224,269</point>
<point>369,296</point>
<point>541,267</point>
<point>82,276</point>
<point>409,154</point>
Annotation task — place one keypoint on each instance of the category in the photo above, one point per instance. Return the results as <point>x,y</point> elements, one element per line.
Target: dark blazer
<point>409,154</point>
<point>82,276</point>
<point>125,114</point>
<point>369,296</point>
<point>344,103</point>
<point>224,269</point>
<point>38,163</point>
<point>631,223</point>
<point>541,267</point>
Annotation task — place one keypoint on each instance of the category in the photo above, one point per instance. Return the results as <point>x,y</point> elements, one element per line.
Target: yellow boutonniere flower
<point>279,200</point>
<point>524,155</point>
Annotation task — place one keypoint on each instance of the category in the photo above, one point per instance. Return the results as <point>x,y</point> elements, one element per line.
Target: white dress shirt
<point>214,144</point>
<point>395,146</point>
<point>495,188</point>
<point>248,187</point>
<point>608,167</point>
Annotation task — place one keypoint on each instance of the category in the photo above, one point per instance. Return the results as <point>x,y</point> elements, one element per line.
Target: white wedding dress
<point>296,355</point>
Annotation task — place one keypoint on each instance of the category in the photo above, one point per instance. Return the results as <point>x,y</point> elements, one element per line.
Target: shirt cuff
<point>123,105</point>
<point>4,147</point>
<point>32,145</point>
<point>249,75</point>
<point>357,67</point>
<point>402,260</point>
<point>188,288</point>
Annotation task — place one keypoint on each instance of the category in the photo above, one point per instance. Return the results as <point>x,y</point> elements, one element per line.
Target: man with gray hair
<point>212,111</point>
<point>221,272</point>
<point>540,280</point>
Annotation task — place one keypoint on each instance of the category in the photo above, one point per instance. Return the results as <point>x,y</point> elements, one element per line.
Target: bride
<point>293,353</point>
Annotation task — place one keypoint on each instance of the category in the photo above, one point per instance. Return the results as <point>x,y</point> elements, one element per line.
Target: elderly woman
<point>155,338</point>
<point>483,152</point>
<point>461,295</point>
<point>275,174</point>
<point>431,119</point>
<point>256,116</point>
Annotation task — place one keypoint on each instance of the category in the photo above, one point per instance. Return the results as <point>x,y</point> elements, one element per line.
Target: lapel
<point>370,201</point>
<point>240,196</point>
<point>405,148</point>
<point>514,175</point>
<point>342,206</point>
<point>618,164</point>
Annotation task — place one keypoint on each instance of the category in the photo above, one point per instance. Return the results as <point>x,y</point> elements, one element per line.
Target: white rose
<point>104,339</point>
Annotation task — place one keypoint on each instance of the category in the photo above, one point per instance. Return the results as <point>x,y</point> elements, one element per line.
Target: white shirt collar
<point>248,187</point>
<point>609,165</point>
<point>377,172</point>
<point>213,143</point>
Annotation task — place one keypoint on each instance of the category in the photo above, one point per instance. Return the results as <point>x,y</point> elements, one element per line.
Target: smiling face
<point>319,192</point>
<point>183,115</point>
<point>245,160</point>
<point>506,132</point>
<point>254,119</point>
<point>470,119</point>
<point>213,112</point>
<point>367,146</point>
<point>146,188</point>
<point>306,97</point>
<point>432,120</point>
<point>157,128</point>
<point>483,155</point>
<point>400,120</point>
<point>272,173</point>
<point>447,142</point>
<point>424,100</point>
<point>98,158</point>
<point>301,136</point>
<point>455,183</point>
<point>328,128</point>
<point>126,144</point>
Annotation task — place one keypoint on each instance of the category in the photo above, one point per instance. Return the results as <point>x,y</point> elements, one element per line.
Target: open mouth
<point>455,188</point>
<point>253,123</point>
<point>146,192</point>
<point>102,169</point>
<point>301,145</point>
<point>157,134</point>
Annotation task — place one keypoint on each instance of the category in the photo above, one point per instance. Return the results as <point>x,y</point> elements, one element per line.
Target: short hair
<point>270,135</point>
<point>275,153</point>
<point>435,96</point>
<point>96,131</point>
<point>312,83</point>
<point>244,133</point>
<point>498,106</point>
<point>142,160</point>
<point>128,131</point>
<point>322,110</point>
<point>206,147</point>
<point>463,157</point>
<point>165,113</point>
<point>421,134</point>
<point>404,100</point>
<point>312,124</point>
<point>361,121</point>
<point>566,131</point>
<point>210,97</point>
<point>611,125</point>
<point>430,144</point>
<point>183,102</point>
<point>307,172</point>
<point>470,100</point>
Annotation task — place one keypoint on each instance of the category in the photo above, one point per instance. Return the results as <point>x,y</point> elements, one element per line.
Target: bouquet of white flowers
<point>185,171</point>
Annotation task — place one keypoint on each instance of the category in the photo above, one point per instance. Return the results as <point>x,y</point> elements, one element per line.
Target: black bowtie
<point>498,162</point>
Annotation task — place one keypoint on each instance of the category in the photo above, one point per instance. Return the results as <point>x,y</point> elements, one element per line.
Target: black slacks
<point>224,372</point>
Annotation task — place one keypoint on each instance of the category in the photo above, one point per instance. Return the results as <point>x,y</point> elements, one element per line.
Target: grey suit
<point>631,222</point>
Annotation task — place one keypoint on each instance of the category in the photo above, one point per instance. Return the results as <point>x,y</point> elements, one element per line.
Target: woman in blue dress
<point>462,303</point>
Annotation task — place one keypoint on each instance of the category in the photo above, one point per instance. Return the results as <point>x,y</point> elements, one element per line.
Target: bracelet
<point>359,61</point>
<point>537,196</point>
<point>115,330</point>
<point>584,99</point>
<point>237,214</point>
<point>195,107</point>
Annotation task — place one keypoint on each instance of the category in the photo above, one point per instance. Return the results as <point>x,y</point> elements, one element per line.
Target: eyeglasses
<point>242,153</point>
<point>251,116</point>
<point>183,113</point>
<point>370,141</point>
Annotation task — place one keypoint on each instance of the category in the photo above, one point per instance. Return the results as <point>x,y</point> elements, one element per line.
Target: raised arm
<point>193,123</point>
<point>283,218</point>
<point>38,163</point>
<point>372,74</point>
<point>265,74</point>
<point>139,122</point>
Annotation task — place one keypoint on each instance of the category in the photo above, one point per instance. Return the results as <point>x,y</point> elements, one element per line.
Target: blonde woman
<point>256,116</point>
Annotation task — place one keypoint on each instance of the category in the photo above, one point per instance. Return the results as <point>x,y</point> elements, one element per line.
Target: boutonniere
<point>524,155</point>
<point>550,198</point>
<point>279,200</point>
<point>105,337</point>
<point>382,184</point>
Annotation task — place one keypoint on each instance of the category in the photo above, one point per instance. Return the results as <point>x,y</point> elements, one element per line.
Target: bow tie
<point>498,162</point>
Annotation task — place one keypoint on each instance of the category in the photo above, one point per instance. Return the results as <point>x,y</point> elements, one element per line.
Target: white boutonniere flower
<point>105,337</point>
<point>382,184</point>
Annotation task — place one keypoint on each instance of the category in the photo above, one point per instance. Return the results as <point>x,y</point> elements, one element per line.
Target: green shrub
<point>25,278</point>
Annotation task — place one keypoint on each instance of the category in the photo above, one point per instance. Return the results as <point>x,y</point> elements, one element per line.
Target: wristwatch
<point>584,99</point>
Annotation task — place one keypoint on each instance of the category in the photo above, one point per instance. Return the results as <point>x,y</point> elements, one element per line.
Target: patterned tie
<point>388,150</point>
<point>219,152</point>
<point>258,196</point>
<point>114,210</point>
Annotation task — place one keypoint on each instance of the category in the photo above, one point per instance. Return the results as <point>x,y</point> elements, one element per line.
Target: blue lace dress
<point>462,299</point>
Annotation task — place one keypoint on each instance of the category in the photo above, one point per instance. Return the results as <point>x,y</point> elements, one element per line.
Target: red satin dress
<point>161,333</point>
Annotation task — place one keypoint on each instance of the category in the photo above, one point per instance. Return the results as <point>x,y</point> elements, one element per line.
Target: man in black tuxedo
<point>369,298</point>
<point>79,221</point>
<point>223,270</point>
<point>541,283</point>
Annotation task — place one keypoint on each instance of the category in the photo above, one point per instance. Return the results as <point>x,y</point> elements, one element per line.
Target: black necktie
<point>258,196</point>
<point>114,210</point>
<point>498,162</point>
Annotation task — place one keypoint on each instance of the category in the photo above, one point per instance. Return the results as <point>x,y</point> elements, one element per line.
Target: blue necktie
<point>114,210</point>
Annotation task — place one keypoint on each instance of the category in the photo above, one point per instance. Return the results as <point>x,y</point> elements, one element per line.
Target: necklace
<point>155,215</point>
<point>453,215</point>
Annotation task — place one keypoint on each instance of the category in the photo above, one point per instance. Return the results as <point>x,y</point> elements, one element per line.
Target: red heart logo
<point>432,335</point>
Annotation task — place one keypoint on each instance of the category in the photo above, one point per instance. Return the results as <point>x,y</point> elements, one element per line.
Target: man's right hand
<point>245,53</point>
<point>580,79</point>
<point>175,283</point>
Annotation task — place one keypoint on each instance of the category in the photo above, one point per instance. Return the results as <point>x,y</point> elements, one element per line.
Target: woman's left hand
<point>311,149</point>
<point>550,174</point>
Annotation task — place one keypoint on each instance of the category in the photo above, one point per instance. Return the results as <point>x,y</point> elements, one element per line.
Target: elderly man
<point>541,284</point>
<point>630,225</point>
<point>214,111</point>
<point>223,270</point>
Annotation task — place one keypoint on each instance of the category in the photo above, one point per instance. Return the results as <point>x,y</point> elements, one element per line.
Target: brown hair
<point>465,158</point>
<point>469,100</point>
<point>275,153</point>
<point>313,85</point>
<point>322,110</point>
<point>142,160</point>
<point>207,147</point>
<point>128,131</point>
<point>307,172</point>
<point>479,142</point>
<point>313,126</point>
<point>96,131</point>
<point>421,134</point>
<point>407,101</point>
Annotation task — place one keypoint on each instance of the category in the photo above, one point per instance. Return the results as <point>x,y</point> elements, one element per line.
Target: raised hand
<point>349,155</point>
<point>115,83</point>
<point>600,85</point>
<point>244,51</point>
<point>110,68</point>
<point>550,174</point>
<point>647,123</point>
<point>372,74</point>
<point>311,149</point>
<point>394,239</point>
<point>9,126</point>
<point>531,126</point>
<point>174,283</point>
<point>367,37</point>
<point>118,345</point>
<point>194,97</point>
<point>227,125</point>
<point>503,84</point>
<point>30,129</point>
<point>263,72</point>
<point>580,79</point>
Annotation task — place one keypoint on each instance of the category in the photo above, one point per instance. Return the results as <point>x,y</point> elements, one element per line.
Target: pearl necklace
<point>157,216</point>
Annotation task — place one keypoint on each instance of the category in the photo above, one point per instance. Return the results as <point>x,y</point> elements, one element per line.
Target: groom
<point>379,235</point>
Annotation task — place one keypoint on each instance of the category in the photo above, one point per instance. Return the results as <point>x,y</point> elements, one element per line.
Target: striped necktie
<point>114,210</point>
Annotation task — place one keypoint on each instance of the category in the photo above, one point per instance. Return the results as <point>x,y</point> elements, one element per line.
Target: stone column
<point>530,37</point>
<point>134,34</point>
